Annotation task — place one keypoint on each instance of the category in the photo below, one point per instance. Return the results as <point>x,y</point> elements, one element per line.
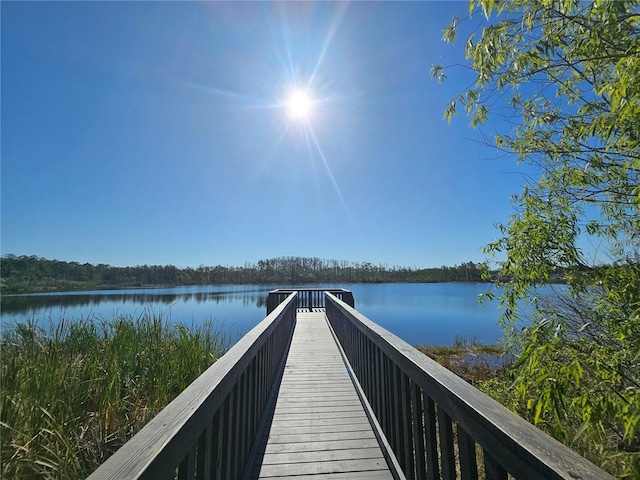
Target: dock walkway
<point>318,424</point>
<point>316,391</point>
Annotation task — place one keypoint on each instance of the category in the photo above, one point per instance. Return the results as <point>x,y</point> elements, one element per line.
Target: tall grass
<point>470,359</point>
<point>73,394</point>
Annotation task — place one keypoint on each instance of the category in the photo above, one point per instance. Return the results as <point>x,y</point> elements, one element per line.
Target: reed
<point>74,393</point>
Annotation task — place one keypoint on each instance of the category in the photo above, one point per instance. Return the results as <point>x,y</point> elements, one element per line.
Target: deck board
<point>318,428</point>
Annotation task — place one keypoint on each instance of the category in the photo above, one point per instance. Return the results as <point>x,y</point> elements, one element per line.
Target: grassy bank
<point>74,394</point>
<point>471,360</point>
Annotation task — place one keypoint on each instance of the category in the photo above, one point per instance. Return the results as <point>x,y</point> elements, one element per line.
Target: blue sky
<point>159,133</point>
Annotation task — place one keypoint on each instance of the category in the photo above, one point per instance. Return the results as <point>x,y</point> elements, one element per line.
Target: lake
<point>420,314</point>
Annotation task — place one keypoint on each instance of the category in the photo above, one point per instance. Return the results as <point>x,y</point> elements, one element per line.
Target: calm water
<point>418,313</point>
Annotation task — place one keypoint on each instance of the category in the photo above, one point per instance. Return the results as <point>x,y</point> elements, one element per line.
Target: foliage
<point>73,395</point>
<point>562,79</point>
<point>31,274</point>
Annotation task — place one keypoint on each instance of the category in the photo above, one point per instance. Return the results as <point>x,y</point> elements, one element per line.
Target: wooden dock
<point>317,391</point>
<point>318,427</point>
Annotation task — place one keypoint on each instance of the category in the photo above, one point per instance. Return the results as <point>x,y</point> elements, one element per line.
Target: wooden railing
<point>308,297</point>
<point>437,425</point>
<point>208,431</point>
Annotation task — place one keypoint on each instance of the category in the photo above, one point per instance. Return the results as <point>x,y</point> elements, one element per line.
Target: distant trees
<point>32,273</point>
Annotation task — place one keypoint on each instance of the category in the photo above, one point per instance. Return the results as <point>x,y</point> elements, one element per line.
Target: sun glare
<point>299,105</point>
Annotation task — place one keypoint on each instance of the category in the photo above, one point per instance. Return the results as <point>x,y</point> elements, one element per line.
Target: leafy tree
<point>563,78</point>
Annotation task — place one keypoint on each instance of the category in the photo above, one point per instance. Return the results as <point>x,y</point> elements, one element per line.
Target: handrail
<point>424,409</point>
<point>308,297</point>
<point>209,429</point>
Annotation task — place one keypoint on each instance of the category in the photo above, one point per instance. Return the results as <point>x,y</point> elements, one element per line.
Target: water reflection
<point>27,304</point>
<point>418,313</point>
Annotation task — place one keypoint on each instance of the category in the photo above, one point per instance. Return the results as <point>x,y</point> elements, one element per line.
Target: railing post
<point>204,454</point>
<point>467,455</point>
<point>417,409</point>
<point>433,470</point>
<point>447,454</point>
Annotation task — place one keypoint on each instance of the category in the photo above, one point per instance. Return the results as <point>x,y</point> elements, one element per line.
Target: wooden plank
<point>322,456</point>
<point>337,427</point>
<point>314,436</point>
<point>323,468</point>
<point>314,400</point>
<point>365,475</point>
<point>313,378</point>
<point>327,390</point>
<point>316,409</point>
<point>319,416</point>
<point>323,411</point>
<point>319,446</point>
<point>310,422</point>
<point>315,397</point>
<point>335,378</point>
<point>327,376</point>
<point>314,386</point>
<point>346,398</point>
<point>299,401</point>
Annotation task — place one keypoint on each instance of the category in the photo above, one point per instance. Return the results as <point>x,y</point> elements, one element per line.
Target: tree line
<point>33,274</point>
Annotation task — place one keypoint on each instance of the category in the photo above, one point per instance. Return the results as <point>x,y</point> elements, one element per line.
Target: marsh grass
<point>471,360</point>
<point>73,394</point>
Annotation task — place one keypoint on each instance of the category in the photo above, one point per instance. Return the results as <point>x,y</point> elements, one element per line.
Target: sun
<point>300,105</point>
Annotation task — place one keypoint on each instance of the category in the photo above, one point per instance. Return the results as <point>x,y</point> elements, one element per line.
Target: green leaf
<point>450,32</point>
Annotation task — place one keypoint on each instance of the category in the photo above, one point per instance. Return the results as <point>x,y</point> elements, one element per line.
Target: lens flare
<point>300,105</point>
